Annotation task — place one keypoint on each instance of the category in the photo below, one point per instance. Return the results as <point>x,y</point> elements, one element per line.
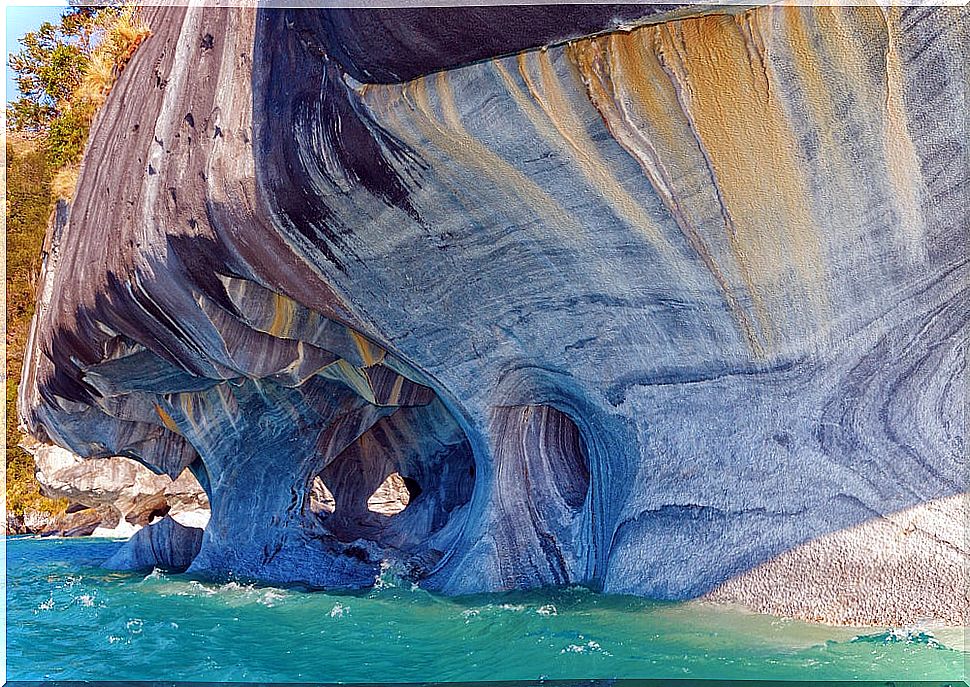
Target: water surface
<point>68,619</point>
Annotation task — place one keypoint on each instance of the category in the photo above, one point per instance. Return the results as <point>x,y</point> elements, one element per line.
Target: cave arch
<point>426,457</point>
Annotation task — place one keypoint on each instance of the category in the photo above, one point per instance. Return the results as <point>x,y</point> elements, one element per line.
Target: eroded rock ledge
<point>641,311</point>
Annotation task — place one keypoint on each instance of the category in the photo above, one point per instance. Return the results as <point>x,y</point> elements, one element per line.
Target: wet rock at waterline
<point>641,311</point>
<point>166,545</point>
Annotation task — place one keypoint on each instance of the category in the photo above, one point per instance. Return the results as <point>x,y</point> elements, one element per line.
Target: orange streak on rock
<point>166,419</point>
<point>639,105</point>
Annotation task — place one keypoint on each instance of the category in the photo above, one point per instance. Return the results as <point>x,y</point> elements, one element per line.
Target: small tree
<point>49,68</point>
<point>64,71</point>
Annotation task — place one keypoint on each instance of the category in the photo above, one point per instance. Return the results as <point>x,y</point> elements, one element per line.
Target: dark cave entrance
<point>545,452</point>
<point>402,485</point>
<point>413,488</point>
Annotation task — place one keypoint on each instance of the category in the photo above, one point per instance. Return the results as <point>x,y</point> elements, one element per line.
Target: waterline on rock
<point>69,619</point>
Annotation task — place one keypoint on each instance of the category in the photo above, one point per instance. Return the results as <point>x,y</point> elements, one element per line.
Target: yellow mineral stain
<point>406,111</point>
<point>343,371</point>
<point>629,88</point>
<point>703,81</point>
<point>187,405</point>
<point>284,310</point>
<point>392,103</point>
<point>166,419</point>
<point>370,353</point>
<point>846,181</point>
<point>844,33</point>
<point>404,115</point>
<point>902,162</point>
<point>450,135</point>
<point>548,94</point>
<point>639,105</point>
<point>744,132</point>
<point>818,99</point>
<point>395,395</point>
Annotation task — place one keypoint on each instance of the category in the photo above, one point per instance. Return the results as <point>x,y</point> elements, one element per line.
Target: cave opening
<point>401,486</point>
<point>391,497</point>
<point>321,499</point>
<point>413,488</point>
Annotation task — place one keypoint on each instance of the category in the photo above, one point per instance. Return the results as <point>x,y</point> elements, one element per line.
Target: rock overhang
<point>608,310</point>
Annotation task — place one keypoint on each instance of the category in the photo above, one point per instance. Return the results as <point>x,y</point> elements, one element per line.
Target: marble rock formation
<point>126,494</point>
<point>166,545</point>
<point>640,298</point>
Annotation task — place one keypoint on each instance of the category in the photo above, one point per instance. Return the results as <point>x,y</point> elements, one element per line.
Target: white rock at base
<point>124,529</point>
<point>192,518</point>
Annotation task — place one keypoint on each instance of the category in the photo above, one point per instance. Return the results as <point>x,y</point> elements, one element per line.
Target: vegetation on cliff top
<point>64,72</point>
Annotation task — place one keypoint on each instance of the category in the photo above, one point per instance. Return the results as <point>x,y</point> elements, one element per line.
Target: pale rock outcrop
<point>187,501</point>
<point>909,559</point>
<point>124,494</point>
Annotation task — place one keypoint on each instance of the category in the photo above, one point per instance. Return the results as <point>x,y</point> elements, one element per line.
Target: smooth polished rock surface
<point>640,311</point>
<point>165,545</point>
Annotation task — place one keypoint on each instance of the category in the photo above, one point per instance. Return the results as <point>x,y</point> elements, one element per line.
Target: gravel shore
<point>907,568</point>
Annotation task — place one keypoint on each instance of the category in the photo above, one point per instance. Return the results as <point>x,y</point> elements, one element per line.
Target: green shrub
<point>66,137</point>
<point>64,71</point>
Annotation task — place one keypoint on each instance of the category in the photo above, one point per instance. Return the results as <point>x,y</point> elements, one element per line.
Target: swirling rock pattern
<point>640,311</point>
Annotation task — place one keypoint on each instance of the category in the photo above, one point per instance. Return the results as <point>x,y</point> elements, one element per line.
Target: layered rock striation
<point>641,311</point>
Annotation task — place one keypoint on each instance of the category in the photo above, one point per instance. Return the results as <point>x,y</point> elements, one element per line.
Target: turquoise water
<point>68,619</point>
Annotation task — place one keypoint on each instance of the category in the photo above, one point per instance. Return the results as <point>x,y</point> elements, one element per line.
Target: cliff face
<point>640,311</point>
